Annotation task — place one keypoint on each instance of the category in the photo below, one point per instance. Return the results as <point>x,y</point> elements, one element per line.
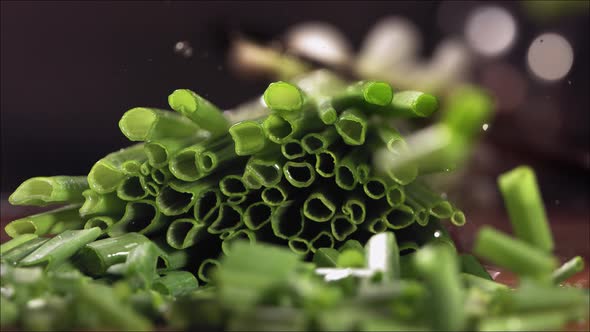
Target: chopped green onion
<point>176,283</point>
<point>49,222</point>
<point>412,104</point>
<point>102,222</point>
<point>568,269</point>
<point>179,197</point>
<point>43,191</point>
<point>352,126</point>
<point>16,242</point>
<point>323,239</point>
<point>146,124</point>
<point>16,254</point>
<point>325,163</point>
<point>283,97</point>
<point>249,137</point>
<point>160,152</point>
<point>314,143</point>
<point>206,208</point>
<point>326,257</point>
<point>375,188</point>
<point>299,174</point>
<point>523,201</point>
<point>199,110</point>
<point>160,175</point>
<point>399,217</point>
<point>130,189</point>
<point>287,220</point>
<point>228,219</point>
<point>319,207</point>
<point>292,149</point>
<point>240,235</point>
<point>141,216</point>
<point>107,173</point>
<point>96,204</point>
<point>354,208</point>
<point>543,321</point>
<point>342,227</point>
<point>257,215</point>
<point>206,269</point>
<point>470,264</point>
<point>515,255</point>
<point>395,195</point>
<point>486,284</point>
<point>61,247</point>
<point>185,232</point>
<point>275,195</point>
<point>262,170</point>
<point>299,246</point>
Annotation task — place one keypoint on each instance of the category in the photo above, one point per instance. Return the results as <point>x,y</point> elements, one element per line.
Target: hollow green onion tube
<point>232,185</point>
<point>375,225</point>
<point>61,247</point>
<point>107,173</point>
<point>568,269</point>
<point>199,110</point>
<point>299,246</point>
<point>375,187</point>
<point>275,195</point>
<point>141,216</point>
<point>516,255</point>
<point>320,207</point>
<point>534,321</point>
<point>257,215</point>
<point>287,220</point>
<point>325,163</point>
<point>161,151</point>
<point>342,227</point>
<point>189,164</point>
<point>352,126</point>
<point>432,232</point>
<point>395,195</point>
<point>281,127</point>
<point>145,169</point>
<point>292,149</point>
<point>102,222</point>
<point>346,170</point>
<point>314,143</point>
<point>240,235</point>
<point>216,157</point>
<point>458,217</point>
<point>299,174</point>
<point>326,257</point>
<point>160,175</point>
<point>367,94</point>
<point>283,97</point>
<point>179,197</point>
<point>363,171</point>
<point>523,201</point>
<point>320,86</point>
<point>262,170</point>
<point>437,266</point>
<point>420,211</point>
<point>532,296</point>
<point>393,140</point>
<point>436,205</point>
<point>411,104</point>
<point>399,217</point>
<point>96,257</point>
<point>408,247</point>
<point>50,222</point>
<point>482,283</point>
<point>175,283</point>
<point>387,163</point>
<point>323,239</point>
<point>249,137</point>
<point>207,268</point>
<point>130,189</point>
<point>185,232</point>
<point>354,207</point>
<point>17,241</point>
<point>150,187</point>
<point>206,208</point>
<point>229,218</point>
<point>96,204</point>
<point>146,124</point>
<point>14,255</point>
<point>43,191</point>
<point>131,167</point>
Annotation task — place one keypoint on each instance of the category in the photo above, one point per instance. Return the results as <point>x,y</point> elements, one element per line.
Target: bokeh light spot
<point>490,30</point>
<point>550,57</point>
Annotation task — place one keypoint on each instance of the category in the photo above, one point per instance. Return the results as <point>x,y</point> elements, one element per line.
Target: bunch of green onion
<point>185,227</point>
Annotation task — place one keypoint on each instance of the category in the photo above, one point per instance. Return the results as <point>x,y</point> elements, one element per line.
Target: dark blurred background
<point>69,70</point>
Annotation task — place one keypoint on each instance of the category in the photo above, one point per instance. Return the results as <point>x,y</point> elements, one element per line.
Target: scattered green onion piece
<point>376,225</point>
<point>352,126</point>
<point>319,207</point>
<point>275,195</point>
<point>176,283</point>
<point>257,215</point>
<point>314,143</point>
<point>49,222</point>
<point>342,227</point>
<point>228,219</point>
<point>206,269</point>
<point>531,296</point>
<point>96,257</point>
<point>160,175</point>
<point>299,174</point>
<point>346,169</point>
<point>375,188</point>
<point>393,140</point>
<point>102,222</point>
<point>470,264</point>
<point>438,267</point>
<point>161,151</point>
<point>151,187</point>
<point>61,247</point>
<point>185,232</point>
<point>146,124</point>
<point>141,216</point>
<point>263,170</point>
<point>468,108</point>
<point>458,218</point>
<point>525,207</point>
<point>107,173</point>
<point>514,254</point>
<point>43,191</point>
<point>16,242</point>
<point>185,164</point>
<point>287,221</point>
<point>544,321</point>
<point>132,167</point>
<point>283,97</point>
<point>16,254</point>
<point>485,284</point>
<point>412,104</point>
<point>568,269</point>
<point>395,195</point>
<point>420,211</point>
<point>141,265</point>
<point>96,204</point>
<point>199,110</point>
<point>249,137</point>
<point>216,156</point>
<point>130,189</point>
<point>279,128</point>
<point>179,197</point>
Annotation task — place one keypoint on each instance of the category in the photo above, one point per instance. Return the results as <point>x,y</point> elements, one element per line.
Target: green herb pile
<point>306,210</point>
